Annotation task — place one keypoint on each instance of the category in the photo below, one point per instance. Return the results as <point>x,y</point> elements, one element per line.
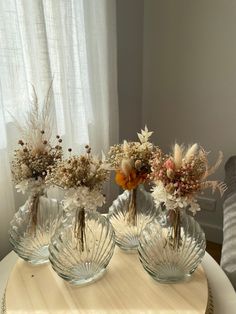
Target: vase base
<point>171,280</point>
<point>170,275</point>
<point>129,250</point>
<point>84,274</point>
<point>37,257</point>
<point>128,244</point>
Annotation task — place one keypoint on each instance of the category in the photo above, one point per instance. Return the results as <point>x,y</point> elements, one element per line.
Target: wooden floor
<point>214,250</point>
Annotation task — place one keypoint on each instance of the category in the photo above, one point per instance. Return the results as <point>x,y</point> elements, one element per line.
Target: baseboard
<point>213,233</point>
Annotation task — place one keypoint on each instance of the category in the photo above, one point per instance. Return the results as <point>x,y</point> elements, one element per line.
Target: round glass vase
<point>129,214</point>
<point>172,246</point>
<point>32,227</point>
<point>81,249</point>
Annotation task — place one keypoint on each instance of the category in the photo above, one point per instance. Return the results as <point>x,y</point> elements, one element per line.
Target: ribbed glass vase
<point>81,257</point>
<point>129,214</point>
<point>32,227</point>
<point>172,246</point>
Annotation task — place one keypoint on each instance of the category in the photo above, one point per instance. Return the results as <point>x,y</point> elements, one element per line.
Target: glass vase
<point>32,227</point>
<point>82,246</point>
<point>172,246</point>
<point>129,214</point>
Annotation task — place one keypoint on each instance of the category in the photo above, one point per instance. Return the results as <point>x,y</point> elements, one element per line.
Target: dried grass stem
<point>175,240</point>
<point>33,211</point>
<point>79,229</point>
<point>132,210</point>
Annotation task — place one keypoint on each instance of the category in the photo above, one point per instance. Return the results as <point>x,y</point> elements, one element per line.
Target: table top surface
<point>125,288</point>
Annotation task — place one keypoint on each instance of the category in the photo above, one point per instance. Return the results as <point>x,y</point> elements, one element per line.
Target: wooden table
<point>125,288</point>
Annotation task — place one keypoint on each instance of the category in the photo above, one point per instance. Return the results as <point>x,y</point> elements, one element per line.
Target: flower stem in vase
<point>79,229</point>
<point>175,233</point>
<point>33,212</point>
<point>132,210</point>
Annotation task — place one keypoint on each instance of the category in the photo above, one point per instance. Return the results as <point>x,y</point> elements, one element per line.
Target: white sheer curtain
<point>73,42</point>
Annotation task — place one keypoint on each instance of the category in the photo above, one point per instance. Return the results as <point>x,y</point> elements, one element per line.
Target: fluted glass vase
<point>129,214</point>
<point>172,246</point>
<point>33,225</point>
<point>82,246</point>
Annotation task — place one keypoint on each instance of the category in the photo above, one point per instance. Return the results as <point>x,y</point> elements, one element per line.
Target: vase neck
<point>181,210</point>
<point>139,187</point>
<point>38,192</point>
<point>79,210</point>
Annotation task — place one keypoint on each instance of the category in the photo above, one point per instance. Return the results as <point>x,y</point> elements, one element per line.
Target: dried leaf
<point>221,186</point>
<point>211,170</point>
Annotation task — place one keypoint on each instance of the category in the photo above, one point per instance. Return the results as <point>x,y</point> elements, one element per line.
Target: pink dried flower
<point>169,164</point>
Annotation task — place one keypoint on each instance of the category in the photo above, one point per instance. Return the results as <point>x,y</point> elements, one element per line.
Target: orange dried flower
<point>131,181</point>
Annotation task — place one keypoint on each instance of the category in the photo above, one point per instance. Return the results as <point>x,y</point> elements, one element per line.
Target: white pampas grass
<point>177,155</point>
<point>191,152</point>
<point>125,147</point>
<point>126,167</point>
<point>38,121</point>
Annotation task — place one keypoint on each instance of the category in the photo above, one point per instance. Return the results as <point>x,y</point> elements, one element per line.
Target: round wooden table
<point>125,288</point>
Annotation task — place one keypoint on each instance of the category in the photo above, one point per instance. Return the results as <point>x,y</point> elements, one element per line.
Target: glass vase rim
<point>139,186</point>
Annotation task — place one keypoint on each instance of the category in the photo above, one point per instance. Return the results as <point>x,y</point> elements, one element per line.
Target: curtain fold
<point>72,42</point>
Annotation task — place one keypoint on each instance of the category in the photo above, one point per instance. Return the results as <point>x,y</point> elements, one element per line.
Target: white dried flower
<point>83,197</point>
<point>159,193</point>
<point>144,136</point>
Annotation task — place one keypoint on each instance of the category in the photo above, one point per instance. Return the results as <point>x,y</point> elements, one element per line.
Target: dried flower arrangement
<point>36,153</point>
<point>131,161</point>
<point>31,162</point>
<point>179,177</point>
<point>82,177</point>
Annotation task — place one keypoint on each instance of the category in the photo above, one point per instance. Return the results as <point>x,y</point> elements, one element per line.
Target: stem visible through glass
<point>33,211</point>
<point>79,229</point>
<point>175,234</point>
<point>132,210</point>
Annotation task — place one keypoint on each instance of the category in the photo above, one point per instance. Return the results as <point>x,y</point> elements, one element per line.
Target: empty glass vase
<point>80,252</point>
<point>32,227</point>
<point>129,214</point>
<point>172,246</point>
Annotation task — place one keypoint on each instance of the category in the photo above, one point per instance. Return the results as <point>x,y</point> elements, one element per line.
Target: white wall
<point>130,58</point>
<point>189,80</point>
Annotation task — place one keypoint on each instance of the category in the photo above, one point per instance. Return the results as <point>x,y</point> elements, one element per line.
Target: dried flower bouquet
<point>82,177</point>
<point>131,161</point>
<point>36,153</point>
<point>178,178</point>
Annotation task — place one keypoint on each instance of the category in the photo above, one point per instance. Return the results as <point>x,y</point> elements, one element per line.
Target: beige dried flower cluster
<point>179,176</point>
<point>83,177</point>
<point>84,170</point>
<point>31,163</point>
<point>131,160</point>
